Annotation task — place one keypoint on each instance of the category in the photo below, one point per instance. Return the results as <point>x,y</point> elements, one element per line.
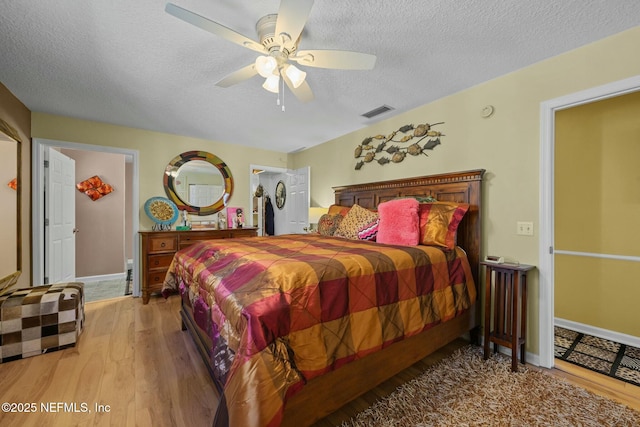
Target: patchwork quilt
<point>281,310</point>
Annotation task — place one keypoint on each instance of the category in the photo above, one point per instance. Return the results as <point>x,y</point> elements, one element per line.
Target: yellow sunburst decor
<point>378,148</point>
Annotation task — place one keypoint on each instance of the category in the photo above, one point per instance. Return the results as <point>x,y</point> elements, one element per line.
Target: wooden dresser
<point>158,248</point>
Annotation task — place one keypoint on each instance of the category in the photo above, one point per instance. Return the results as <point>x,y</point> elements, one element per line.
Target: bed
<point>293,327</point>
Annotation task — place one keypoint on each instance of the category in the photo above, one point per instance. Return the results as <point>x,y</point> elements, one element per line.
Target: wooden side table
<point>509,297</point>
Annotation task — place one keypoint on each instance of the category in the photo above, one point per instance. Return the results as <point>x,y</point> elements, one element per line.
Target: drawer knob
<point>156,262</point>
<point>163,244</point>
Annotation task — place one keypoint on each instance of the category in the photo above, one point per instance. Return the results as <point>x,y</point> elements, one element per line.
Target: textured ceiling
<point>129,63</point>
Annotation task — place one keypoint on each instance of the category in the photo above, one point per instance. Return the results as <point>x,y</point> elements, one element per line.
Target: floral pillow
<point>356,218</point>
<point>327,224</point>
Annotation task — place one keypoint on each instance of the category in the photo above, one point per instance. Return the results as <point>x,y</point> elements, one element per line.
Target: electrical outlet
<point>524,228</point>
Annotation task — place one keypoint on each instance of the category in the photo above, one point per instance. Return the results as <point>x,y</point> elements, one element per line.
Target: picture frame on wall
<point>281,194</point>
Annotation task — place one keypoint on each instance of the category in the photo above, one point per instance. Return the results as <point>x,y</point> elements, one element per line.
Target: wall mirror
<point>198,182</point>
<point>10,235</point>
<point>281,194</point>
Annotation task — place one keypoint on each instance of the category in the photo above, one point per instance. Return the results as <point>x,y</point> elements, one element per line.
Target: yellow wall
<point>156,150</point>
<point>597,207</point>
<point>507,144</point>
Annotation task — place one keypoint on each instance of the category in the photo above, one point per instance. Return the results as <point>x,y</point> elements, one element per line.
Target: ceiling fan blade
<point>213,27</point>
<point>292,16</point>
<point>338,59</point>
<point>238,76</point>
<point>302,92</point>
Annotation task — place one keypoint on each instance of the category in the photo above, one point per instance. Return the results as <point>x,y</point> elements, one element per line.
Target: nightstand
<point>506,291</point>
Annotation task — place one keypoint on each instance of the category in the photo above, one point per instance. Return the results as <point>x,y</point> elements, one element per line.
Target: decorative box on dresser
<point>159,247</point>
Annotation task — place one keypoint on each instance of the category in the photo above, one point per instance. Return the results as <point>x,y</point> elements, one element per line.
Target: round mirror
<point>198,182</point>
<point>281,194</point>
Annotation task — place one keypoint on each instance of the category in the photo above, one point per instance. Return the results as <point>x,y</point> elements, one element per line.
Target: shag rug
<point>465,390</point>
<point>606,357</point>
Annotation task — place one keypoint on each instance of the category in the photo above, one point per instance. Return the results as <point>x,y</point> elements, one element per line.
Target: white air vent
<point>377,111</point>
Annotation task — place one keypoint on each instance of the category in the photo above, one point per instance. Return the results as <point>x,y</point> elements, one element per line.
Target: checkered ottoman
<point>40,319</point>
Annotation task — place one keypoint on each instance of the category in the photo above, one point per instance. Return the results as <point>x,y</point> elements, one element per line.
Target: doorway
<point>291,210</point>
<point>39,147</point>
<point>547,207</point>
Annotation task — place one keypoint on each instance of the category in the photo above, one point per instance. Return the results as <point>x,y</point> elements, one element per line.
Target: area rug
<point>606,357</point>
<point>128,287</point>
<point>465,390</point>
<point>104,289</point>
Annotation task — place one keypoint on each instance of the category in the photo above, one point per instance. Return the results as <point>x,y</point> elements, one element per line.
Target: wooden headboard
<point>461,187</point>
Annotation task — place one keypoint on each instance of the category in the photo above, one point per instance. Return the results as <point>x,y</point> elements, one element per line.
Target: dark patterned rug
<point>610,358</point>
<point>128,283</point>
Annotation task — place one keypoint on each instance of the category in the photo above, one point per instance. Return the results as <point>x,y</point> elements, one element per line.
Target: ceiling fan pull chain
<point>282,91</point>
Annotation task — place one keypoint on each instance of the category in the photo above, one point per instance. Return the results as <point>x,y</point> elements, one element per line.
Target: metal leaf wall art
<point>409,139</point>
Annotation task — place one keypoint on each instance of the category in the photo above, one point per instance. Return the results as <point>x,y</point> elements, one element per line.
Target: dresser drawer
<point>188,239</point>
<point>162,244</point>
<point>159,261</point>
<point>243,232</point>
<point>155,280</point>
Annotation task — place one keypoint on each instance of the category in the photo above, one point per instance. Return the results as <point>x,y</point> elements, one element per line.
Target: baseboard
<point>598,332</point>
<point>530,358</point>
<point>102,277</point>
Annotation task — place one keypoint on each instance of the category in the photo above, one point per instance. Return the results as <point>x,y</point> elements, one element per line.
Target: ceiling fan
<point>279,36</point>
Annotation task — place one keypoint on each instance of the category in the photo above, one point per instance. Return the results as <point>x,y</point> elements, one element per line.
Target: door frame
<point>546,248</point>
<point>37,203</point>
<point>252,174</point>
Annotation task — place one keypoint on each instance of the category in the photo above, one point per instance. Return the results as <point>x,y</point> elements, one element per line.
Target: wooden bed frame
<point>325,394</point>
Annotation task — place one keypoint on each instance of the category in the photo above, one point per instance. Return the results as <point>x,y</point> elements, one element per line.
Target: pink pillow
<point>399,222</point>
<point>369,231</point>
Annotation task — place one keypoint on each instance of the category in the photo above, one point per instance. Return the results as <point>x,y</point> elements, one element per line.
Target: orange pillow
<point>338,210</point>
<point>439,223</point>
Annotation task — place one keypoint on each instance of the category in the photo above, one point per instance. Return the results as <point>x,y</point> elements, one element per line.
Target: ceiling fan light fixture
<point>271,83</point>
<point>266,65</point>
<point>279,36</point>
<point>296,75</point>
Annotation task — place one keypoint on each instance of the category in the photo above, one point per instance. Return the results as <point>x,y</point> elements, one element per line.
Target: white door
<point>204,194</point>
<point>298,200</point>
<point>60,218</point>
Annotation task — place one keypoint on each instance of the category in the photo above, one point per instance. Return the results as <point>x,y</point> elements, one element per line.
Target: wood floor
<point>135,362</point>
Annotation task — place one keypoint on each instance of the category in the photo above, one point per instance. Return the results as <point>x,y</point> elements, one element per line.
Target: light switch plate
<point>524,228</point>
